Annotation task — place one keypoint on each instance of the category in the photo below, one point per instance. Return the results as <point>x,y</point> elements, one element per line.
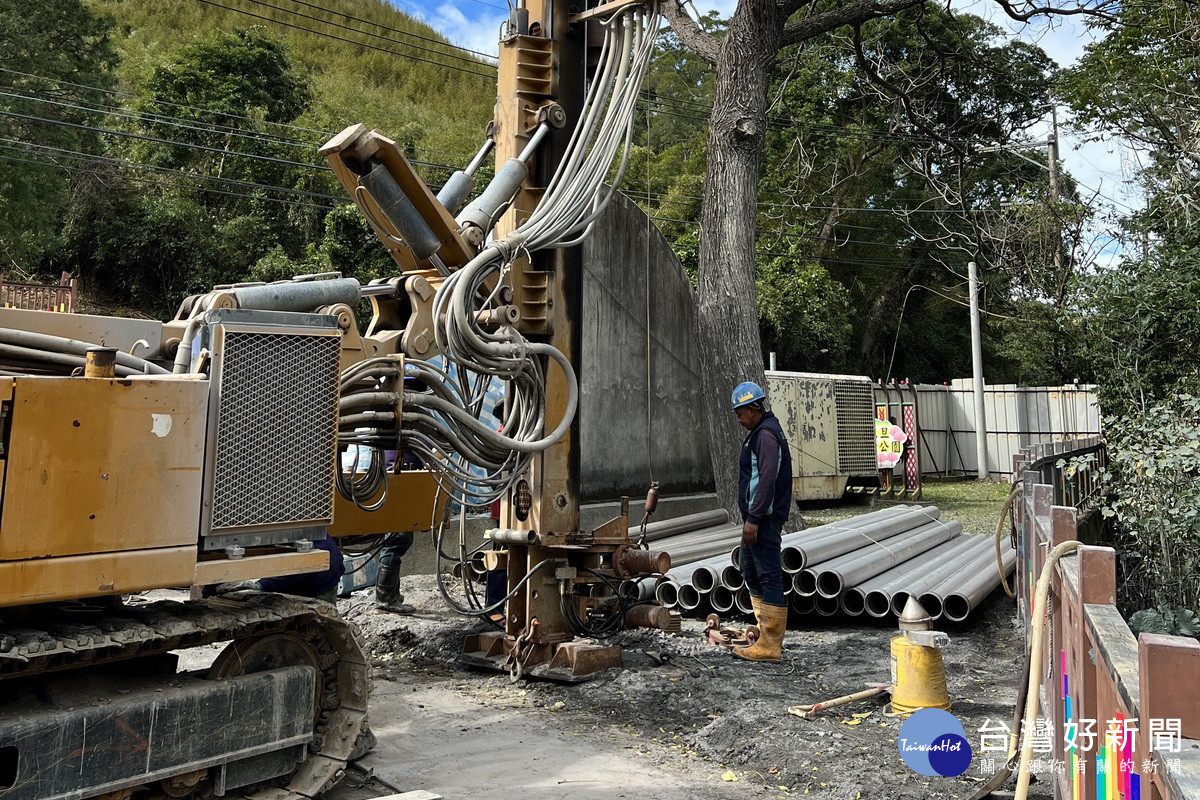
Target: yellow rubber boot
<point>772,623</point>
<point>756,603</point>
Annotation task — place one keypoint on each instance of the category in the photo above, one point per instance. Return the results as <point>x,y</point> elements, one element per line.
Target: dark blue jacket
<point>311,584</point>
<point>765,474</point>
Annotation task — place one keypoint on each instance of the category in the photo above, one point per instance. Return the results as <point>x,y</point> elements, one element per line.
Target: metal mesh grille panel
<point>855,402</point>
<point>276,429</point>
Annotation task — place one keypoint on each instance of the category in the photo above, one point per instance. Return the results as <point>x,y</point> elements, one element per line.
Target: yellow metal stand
<point>918,677</point>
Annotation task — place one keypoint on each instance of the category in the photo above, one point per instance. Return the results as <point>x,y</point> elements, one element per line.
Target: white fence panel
<point>1015,417</point>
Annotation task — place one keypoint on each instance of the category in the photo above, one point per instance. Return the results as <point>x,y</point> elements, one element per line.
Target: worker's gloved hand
<point>749,534</point>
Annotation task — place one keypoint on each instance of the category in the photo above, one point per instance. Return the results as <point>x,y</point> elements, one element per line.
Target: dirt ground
<point>682,728</point>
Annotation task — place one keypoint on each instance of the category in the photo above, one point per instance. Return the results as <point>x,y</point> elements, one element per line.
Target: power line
<point>705,110</point>
<point>799,207</point>
<point>205,148</point>
<point>169,121</point>
<point>156,140</point>
<point>136,179</point>
<point>11,144</point>
<point>763,234</point>
<point>156,101</point>
<point>343,39</point>
<point>302,15</point>
<point>223,130</point>
<point>395,30</point>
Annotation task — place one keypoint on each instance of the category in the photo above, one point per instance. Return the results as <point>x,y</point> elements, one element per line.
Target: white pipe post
<point>772,359</point>
<point>977,375</point>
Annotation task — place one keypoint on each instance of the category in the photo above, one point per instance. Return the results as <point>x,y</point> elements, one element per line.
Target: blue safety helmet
<point>747,393</point>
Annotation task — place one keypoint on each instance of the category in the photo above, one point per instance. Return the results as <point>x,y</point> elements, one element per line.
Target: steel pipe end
<point>689,598</point>
<point>704,579</point>
<point>792,560</point>
<point>932,604</point>
<point>878,604</point>
<point>735,556</point>
<point>721,599</point>
<point>742,600</point>
<point>667,594</point>
<point>826,606</point>
<point>955,607</point>
<point>853,602</point>
<point>802,605</point>
<point>806,583</point>
<point>829,584</point>
<point>897,603</point>
<point>731,578</point>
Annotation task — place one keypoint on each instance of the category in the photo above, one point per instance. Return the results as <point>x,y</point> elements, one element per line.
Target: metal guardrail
<point>1122,713</point>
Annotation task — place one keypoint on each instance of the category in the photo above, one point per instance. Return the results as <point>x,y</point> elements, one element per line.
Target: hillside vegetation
<point>155,150</point>
<point>443,111</point>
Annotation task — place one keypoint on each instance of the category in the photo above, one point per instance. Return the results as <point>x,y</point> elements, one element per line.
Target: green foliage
<point>805,314</point>
<point>145,251</point>
<point>1141,80</point>
<point>349,246</point>
<point>1155,502</point>
<point>226,112</point>
<point>239,73</point>
<point>1143,328</point>
<point>57,43</point>
<point>386,88</point>
<point>1041,344</point>
<point>1170,620</point>
<point>840,154</point>
<point>352,248</point>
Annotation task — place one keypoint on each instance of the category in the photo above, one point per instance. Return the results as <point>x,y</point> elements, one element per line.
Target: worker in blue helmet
<point>764,498</point>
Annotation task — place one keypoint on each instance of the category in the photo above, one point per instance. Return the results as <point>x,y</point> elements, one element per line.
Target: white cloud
<point>474,24</point>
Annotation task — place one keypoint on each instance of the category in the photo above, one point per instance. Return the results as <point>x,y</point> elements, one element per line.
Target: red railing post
<point>1169,685</point>
<point>1062,528</point>
<point>1097,586</point>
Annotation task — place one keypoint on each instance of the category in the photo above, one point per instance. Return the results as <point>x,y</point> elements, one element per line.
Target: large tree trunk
<point>731,346</point>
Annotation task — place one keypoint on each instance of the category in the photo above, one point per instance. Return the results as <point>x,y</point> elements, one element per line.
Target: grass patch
<point>976,505</point>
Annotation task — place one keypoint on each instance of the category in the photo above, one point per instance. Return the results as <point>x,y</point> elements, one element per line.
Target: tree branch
<point>877,79</point>
<point>853,14</point>
<point>1028,12</point>
<point>702,44</point>
<point>789,7</point>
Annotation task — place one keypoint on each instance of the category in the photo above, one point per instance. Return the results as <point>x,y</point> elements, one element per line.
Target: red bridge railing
<point>1121,713</point>
<point>40,297</point>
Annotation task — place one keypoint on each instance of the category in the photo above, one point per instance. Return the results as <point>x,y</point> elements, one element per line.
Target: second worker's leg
<point>387,584</point>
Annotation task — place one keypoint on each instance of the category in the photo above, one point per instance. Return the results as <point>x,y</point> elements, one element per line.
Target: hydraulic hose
<point>1004,515</point>
<point>183,355</point>
<point>1040,598</point>
<point>60,344</point>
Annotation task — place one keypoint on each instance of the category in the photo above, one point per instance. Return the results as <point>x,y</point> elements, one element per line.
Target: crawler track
<point>61,638</point>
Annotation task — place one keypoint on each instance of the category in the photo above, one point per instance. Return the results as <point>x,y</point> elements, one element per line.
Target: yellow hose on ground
<point>1040,598</point>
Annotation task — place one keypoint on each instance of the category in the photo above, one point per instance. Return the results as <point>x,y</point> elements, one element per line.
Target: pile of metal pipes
<point>869,564</point>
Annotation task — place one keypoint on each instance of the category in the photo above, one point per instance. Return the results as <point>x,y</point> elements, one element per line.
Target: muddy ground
<point>680,728</point>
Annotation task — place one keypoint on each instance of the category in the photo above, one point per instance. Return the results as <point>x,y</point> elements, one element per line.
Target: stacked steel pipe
<point>869,564</point>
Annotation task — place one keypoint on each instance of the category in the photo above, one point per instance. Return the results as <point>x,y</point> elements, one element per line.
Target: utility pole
<point>1052,158</point>
<point>977,373</point>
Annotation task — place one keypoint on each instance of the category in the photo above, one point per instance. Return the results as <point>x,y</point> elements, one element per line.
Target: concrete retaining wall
<point>612,414</point>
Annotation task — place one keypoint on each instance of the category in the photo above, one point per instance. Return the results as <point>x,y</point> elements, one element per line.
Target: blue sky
<point>1104,167</point>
